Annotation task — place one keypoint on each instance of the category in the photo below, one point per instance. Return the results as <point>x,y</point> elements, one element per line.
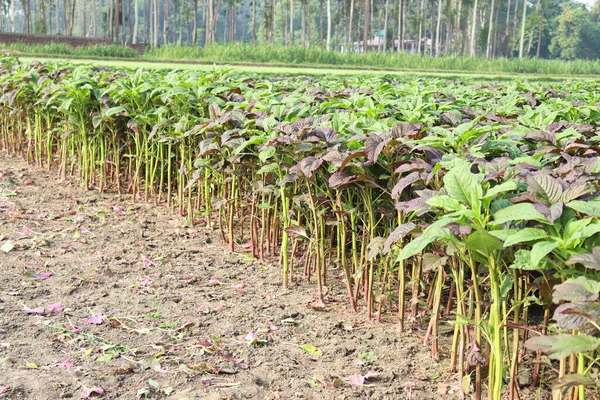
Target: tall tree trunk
<point>254,21</point>
<point>488,50</point>
<point>136,22</point>
<point>12,16</point>
<point>473,50</point>
<point>399,38</point>
<point>195,24</point>
<point>57,16</point>
<point>523,29</point>
<point>156,23</point>
<point>540,30</point>
<point>328,46</point>
<point>165,22</point>
<point>292,22</point>
<point>366,30</point>
<point>437,28</point>
<point>530,42</point>
<point>457,31</point>
<point>514,32</point>
<point>385,25</point>
<point>94,17</point>
<point>350,21</point>
<point>507,23</point>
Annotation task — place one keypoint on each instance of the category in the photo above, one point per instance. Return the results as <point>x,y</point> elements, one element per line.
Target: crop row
<point>442,201</point>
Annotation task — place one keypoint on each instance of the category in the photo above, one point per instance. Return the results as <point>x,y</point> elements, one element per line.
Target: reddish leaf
<point>74,329</point>
<point>97,318</point>
<point>117,209</point>
<point>95,391</point>
<point>55,307</point>
<point>40,276</point>
<point>39,310</point>
<point>356,380</point>
<point>317,306</point>
<point>238,285</point>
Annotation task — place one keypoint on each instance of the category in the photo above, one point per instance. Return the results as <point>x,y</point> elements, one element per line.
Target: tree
<point>577,34</point>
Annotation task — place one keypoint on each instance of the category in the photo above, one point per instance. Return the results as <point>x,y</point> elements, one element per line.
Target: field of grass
<point>315,57</point>
<point>435,202</point>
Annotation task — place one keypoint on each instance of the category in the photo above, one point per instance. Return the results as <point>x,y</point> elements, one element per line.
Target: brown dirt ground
<point>178,307</point>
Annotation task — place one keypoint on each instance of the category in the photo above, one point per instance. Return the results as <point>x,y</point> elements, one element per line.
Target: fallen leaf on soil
<point>87,393</point>
<point>8,246</point>
<point>27,182</point>
<point>40,276</point>
<point>214,281</point>
<point>65,364</point>
<point>359,380</point>
<point>185,326</point>
<point>318,306</point>
<point>74,329</point>
<point>39,310</point>
<point>238,285</point>
<point>3,389</point>
<point>117,209</point>
<point>253,338</point>
<point>311,349</point>
<point>97,318</point>
<point>55,308</point>
<point>442,388</point>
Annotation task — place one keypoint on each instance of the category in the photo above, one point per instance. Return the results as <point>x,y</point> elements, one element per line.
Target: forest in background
<point>475,28</point>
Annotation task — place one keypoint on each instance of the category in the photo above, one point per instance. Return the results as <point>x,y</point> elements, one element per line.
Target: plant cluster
<point>442,201</point>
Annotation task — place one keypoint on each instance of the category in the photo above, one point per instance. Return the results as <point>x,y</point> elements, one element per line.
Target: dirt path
<point>172,310</point>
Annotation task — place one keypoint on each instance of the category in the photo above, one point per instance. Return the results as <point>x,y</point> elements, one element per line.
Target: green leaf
<point>463,185</point>
<point>266,154</point>
<point>541,250</point>
<point>525,235</point>
<point>563,345</point>
<point>312,350</point>
<point>445,203</point>
<point>430,235</point>
<point>503,187</point>
<point>591,208</point>
<point>432,261</point>
<point>269,168</point>
<point>518,212</point>
<point>483,243</point>
<point>571,380</point>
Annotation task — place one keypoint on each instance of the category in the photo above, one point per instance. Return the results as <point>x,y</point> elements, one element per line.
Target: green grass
<point>316,57</point>
<point>294,70</point>
<point>298,55</point>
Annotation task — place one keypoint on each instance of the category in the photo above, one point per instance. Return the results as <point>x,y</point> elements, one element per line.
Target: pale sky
<point>589,3</point>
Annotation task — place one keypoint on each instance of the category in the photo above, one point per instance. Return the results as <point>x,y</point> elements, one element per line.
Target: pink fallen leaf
<point>40,276</point>
<point>273,328</point>
<point>356,380</point>
<point>147,262</point>
<point>371,375</point>
<point>87,393</point>
<point>74,329</point>
<point>317,306</point>
<point>270,296</point>
<point>84,229</point>
<point>97,318</point>
<point>146,281</point>
<point>3,389</point>
<point>55,307</point>
<point>238,285</point>
<point>39,310</point>
<point>117,209</point>
<point>27,182</point>
<point>259,284</point>
<point>65,364</point>
<point>253,338</point>
<point>27,230</point>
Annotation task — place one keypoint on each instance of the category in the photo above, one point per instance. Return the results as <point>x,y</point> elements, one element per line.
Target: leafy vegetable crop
<point>442,201</point>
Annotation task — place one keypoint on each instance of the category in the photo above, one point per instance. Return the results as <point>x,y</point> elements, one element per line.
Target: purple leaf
<point>65,364</point>
<point>74,329</point>
<point>55,307</point>
<point>39,310</point>
<point>41,276</point>
<point>3,389</point>
<point>97,318</point>
<point>87,393</point>
<point>356,380</point>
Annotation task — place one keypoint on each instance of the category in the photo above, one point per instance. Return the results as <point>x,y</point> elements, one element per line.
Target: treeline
<point>482,28</point>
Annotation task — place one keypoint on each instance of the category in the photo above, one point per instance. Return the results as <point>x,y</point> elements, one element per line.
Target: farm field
<point>178,306</point>
<point>311,70</point>
<point>452,221</point>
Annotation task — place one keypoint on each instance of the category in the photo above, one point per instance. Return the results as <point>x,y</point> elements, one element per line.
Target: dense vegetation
<point>477,28</point>
<point>298,56</point>
<point>474,205</point>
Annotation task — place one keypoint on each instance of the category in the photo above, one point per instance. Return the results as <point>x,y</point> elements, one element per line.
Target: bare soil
<point>176,307</point>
